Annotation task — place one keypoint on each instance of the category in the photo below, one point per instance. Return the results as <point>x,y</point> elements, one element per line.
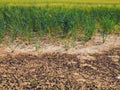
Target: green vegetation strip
<point>75,21</point>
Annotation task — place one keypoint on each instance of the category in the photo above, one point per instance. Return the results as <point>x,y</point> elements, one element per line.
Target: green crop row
<point>26,21</point>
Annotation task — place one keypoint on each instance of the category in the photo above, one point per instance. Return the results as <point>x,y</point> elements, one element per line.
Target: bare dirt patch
<point>94,45</point>
<point>92,66</point>
<point>55,71</point>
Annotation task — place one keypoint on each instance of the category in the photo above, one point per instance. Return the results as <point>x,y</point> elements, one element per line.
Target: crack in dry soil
<point>56,71</point>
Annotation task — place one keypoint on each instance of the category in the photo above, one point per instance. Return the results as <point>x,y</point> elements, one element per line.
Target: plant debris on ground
<point>55,71</point>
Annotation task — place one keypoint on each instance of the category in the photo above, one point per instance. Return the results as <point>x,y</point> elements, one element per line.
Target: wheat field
<point>68,18</point>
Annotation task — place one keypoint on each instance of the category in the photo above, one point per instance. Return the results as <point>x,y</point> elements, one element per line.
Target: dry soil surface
<point>95,67</point>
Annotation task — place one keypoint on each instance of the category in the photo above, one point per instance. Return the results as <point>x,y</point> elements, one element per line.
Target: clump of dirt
<point>56,71</point>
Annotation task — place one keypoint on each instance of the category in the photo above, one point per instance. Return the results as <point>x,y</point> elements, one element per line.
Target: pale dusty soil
<point>89,66</point>
<point>93,46</point>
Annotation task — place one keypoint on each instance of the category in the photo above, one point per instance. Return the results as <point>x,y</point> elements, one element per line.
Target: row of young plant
<point>26,21</point>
